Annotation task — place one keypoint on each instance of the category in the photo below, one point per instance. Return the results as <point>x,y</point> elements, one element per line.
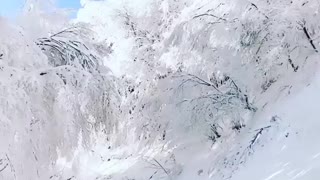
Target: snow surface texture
<point>161,90</point>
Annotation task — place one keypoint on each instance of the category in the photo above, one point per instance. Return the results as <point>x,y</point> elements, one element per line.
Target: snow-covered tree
<point>127,81</point>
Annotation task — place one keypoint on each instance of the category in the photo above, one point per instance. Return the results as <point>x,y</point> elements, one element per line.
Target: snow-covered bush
<point>55,95</point>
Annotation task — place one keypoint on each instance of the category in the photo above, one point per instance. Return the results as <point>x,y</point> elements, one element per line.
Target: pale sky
<point>10,8</point>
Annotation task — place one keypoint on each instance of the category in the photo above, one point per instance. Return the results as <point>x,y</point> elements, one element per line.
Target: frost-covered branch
<point>63,49</point>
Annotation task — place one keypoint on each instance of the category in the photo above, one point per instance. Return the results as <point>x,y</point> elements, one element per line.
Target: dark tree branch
<point>4,167</point>
<point>256,7</point>
<point>162,167</point>
<point>257,136</point>
<point>295,68</point>
<point>309,38</point>
<point>211,15</point>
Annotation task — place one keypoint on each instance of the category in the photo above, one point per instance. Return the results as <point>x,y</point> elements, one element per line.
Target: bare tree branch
<point>309,38</point>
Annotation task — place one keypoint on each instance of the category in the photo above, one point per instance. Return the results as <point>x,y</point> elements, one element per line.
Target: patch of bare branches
<point>224,92</point>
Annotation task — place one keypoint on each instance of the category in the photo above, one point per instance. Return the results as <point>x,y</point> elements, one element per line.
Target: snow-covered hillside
<point>161,90</point>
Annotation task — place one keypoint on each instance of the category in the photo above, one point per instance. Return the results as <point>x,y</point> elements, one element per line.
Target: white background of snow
<point>280,158</point>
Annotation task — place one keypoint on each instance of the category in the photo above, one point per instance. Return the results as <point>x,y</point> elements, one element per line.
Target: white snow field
<point>161,90</point>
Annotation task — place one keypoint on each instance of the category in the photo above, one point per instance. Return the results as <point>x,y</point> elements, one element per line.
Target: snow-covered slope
<point>279,143</point>
<point>291,151</point>
<point>162,90</point>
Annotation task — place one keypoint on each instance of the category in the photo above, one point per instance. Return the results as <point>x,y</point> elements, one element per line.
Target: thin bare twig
<point>161,167</point>
<point>211,15</point>
<point>4,167</point>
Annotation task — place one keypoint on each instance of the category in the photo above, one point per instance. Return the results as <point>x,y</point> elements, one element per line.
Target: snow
<point>161,90</point>
<point>293,157</point>
<point>288,152</point>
